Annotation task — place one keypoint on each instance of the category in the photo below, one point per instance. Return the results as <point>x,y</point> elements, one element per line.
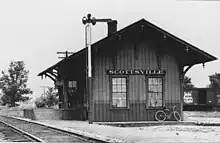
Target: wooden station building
<point>135,72</point>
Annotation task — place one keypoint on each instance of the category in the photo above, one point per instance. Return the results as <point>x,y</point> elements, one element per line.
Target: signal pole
<point>88,39</point>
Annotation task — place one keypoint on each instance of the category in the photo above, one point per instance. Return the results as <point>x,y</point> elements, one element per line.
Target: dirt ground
<point>150,134</point>
<point>168,133</point>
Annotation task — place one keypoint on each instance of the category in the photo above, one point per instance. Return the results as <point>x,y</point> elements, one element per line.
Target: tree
<point>187,84</point>
<point>13,83</point>
<point>214,80</point>
<point>49,99</point>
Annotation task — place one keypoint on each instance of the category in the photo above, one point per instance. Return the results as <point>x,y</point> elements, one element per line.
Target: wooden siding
<point>132,56</point>
<point>73,70</point>
<point>136,112</point>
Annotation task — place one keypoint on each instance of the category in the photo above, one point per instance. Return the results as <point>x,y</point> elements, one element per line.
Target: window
<point>155,92</point>
<point>72,87</point>
<point>119,92</point>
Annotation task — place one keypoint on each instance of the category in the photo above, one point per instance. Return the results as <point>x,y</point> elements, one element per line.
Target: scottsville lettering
<point>136,72</point>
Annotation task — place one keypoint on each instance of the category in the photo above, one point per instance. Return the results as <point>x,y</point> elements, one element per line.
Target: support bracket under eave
<point>187,69</point>
<point>52,78</point>
<point>53,74</point>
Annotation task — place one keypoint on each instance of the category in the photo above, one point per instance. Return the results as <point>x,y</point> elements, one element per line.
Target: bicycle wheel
<point>160,115</point>
<point>177,116</point>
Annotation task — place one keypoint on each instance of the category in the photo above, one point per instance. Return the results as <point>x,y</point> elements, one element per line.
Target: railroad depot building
<point>135,72</point>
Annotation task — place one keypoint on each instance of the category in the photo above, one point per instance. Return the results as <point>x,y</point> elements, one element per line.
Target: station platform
<point>145,134</point>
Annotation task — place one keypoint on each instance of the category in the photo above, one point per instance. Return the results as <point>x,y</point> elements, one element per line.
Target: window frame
<point>111,92</point>
<point>147,95</point>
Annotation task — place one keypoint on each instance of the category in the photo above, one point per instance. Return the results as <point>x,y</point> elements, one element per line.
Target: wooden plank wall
<point>132,56</point>
<point>73,70</point>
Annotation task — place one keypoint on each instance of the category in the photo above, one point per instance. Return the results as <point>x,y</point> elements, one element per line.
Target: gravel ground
<point>203,117</point>
<point>2,136</point>
<point>184,133</point>
<point>202,114</point>
<point>174,133</point>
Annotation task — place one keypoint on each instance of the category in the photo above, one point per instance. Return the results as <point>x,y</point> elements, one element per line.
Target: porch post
<point>65,96</point>
<point>181,95</point>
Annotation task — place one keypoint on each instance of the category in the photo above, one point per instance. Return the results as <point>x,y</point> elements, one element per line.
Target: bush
<point>40,103</point>
<point>50,100</point>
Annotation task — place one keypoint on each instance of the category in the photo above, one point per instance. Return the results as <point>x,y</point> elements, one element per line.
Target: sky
<point>34,30</point>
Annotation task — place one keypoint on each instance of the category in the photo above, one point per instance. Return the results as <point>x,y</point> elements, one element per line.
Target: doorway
<point>202,97</point>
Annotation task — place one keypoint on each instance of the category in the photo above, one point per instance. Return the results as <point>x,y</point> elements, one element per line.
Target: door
<point>202,97</point>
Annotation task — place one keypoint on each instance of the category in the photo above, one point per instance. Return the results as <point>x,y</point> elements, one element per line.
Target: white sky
<point>34,30</point>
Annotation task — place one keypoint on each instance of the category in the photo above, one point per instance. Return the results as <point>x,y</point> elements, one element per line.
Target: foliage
<point>214,80</point>
<point>13,83</point>
<point>187,84</point>
<point>40,102</point>
<point>49,99</point>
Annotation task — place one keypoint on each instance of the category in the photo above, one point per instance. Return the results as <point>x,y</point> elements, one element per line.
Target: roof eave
<point>142,21</point>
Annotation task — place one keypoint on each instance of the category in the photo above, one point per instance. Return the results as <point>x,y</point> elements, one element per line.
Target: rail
<point>26,134</point>
<point>70,134</point>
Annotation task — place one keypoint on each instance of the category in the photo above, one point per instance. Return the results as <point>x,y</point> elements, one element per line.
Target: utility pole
<point>88,39</point>
<point>44,89</point>
<point>66,54</point>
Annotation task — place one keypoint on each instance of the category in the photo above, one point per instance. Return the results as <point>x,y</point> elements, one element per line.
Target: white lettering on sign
<point>136,72</point>
<point>188,97</point>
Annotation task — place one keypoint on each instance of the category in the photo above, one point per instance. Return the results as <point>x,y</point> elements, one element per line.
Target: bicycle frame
<point>166,113</point>
<point>169,111</point>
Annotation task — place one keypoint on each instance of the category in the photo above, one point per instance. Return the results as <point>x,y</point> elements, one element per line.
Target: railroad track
<point>41,133</point>
<point>12,134</point>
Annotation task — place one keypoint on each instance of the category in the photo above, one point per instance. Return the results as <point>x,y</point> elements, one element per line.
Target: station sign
<point>136,72</point>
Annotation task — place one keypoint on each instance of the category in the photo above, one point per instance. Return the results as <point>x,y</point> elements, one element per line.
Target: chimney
<point>112,27</point>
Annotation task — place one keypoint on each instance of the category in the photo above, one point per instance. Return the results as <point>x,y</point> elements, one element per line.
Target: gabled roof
<point>201,56</point>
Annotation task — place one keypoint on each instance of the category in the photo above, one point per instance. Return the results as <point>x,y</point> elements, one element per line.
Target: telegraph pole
<point>44,89</point>
<point>88,39</point>
<point>66,54</point>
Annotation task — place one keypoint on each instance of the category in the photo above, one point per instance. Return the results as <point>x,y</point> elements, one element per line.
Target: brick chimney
<point>112,27</point>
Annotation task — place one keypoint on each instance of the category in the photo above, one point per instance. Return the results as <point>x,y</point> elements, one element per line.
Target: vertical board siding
<point>145,58</point>
<point>172,84</point>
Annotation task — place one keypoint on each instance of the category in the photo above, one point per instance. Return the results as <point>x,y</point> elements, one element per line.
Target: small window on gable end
<point>155,92</point>
<point>119,96</point>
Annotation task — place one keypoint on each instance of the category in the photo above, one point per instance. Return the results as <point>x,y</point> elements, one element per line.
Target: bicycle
<point>166,113</point>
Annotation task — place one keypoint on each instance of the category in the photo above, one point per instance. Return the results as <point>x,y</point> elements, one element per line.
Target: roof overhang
<point>51,72</point>
<point>182,50</point>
